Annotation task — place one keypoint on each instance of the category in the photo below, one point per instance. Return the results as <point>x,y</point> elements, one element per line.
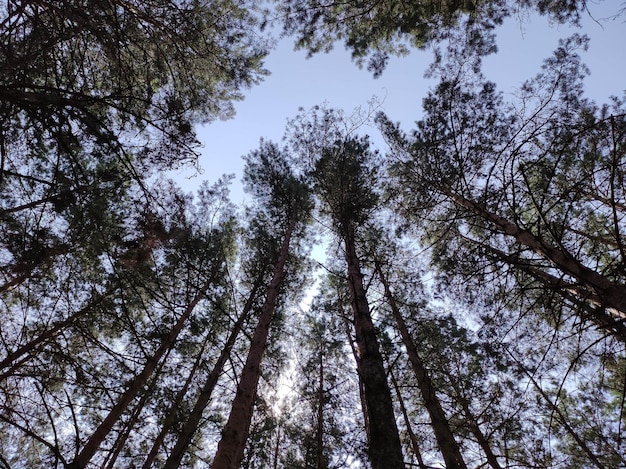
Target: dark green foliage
<point>373,29</point>
<point>97,263</point>
<point>87,340</point>
<point>521,207</point>
<point>339,176</point>
<point>100,72</point>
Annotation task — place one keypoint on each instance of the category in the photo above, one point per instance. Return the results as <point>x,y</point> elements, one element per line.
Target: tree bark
<point>355,354</point>
<point>579,295</point>
<point>385,450</point>
<point>443,433</point>
<point>173,412</point>
<point>474,427</point>
<point>231,447</point>
<point>319,436</point>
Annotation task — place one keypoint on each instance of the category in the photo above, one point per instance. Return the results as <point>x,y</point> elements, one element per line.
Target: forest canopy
<point>470,310</point>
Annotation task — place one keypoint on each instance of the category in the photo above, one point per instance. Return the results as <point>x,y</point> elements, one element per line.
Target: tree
<point>95,259</point>
<point>342,169</point>
<point>95,97</point>
<point>444,364</point>
<point>521,204</point>
<point>323,430</point>
<point>191,425</point>
<point>73,75</point>
<point>285,199</point>
<point>445,438</point>
<point>538,195</point>
<point>98,367</point>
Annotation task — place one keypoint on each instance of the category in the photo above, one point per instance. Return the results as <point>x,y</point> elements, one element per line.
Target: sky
<point>333,79</point>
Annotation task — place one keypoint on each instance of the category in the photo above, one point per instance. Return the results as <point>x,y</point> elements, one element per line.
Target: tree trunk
<point>232,444</point>
<point>191,425</point>
<point>355,353</point>
<point>99,435</point>
<point>276,449</point>
<point>580,296</point>
<point>443,433</point>
<point>472,423</point>
<point>120,442</point>
<point>560,417</point>
<point>385,450</point>
<point>407,422</point>
<point>319,436</point>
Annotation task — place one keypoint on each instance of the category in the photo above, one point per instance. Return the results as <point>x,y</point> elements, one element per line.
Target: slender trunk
<point>385,450</point>
<point>582,297</point>
<point>355,353</point>
<point>191,425</point>
<point>17,280</point>
<point>319,436</point>
<point>474,427</point>
<point>407,422</point>
<point>276,449</point>
<point>232,444</point>
<point>307,443</point>
<point>134,418</point>
<point>443,433</point>
<point>99,435</point>
<point>611,295</point>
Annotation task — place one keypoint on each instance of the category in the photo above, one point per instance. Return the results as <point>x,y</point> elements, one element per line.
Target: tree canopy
<point>471,307</point>
<point>374,29</point>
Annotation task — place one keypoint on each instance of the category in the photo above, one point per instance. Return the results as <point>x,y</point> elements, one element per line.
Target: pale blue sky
<point>333,79</point>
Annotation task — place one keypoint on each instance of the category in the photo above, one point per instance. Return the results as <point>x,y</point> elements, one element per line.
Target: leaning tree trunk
<point>170,419</point>
<point>583,300</point>
<point>233,442</point>
<point>122,438</point>
<point>385,449</point>
<point>474,427</point>
<point>443,433</point>
<point>30,349</point>
<point>600,289</point>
